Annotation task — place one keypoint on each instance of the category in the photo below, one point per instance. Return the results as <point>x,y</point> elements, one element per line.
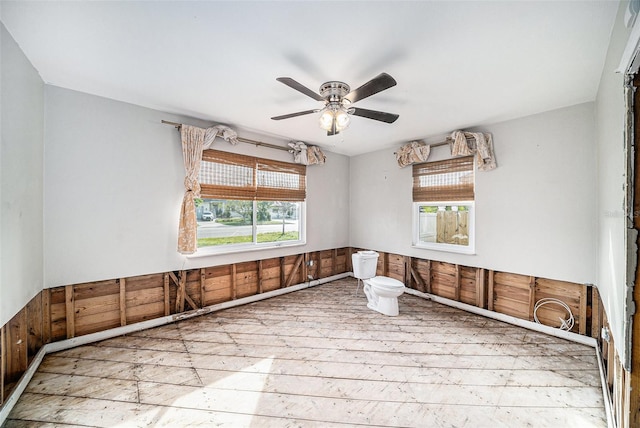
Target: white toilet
<point>382,292</point>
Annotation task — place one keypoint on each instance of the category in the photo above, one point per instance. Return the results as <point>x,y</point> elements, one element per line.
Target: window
<point>249,202</point>
<point>443,205</point>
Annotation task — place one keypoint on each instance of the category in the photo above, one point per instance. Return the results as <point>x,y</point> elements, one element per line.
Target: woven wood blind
<point>447,180</point>
<point>280,181</point>
<point>226,175</point>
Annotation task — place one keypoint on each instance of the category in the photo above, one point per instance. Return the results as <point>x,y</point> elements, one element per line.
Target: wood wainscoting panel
<point>443,279</point>
<point>396,267</point>
<point>468,289</point>
<point>512,294</point>
<point>144,298</point>
<point>96,306</point>
<point>217,284</point>
<point>570,294</point>
<point>246,279</point>
<point>270,274</point>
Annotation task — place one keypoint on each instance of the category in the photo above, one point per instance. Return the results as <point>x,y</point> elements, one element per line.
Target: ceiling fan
<point>337,98</point>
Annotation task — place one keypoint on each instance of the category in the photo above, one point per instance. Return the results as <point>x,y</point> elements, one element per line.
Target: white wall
<point>21,187</point>
<point>535,213</point>
<point>611,179</point>
<point>114,183</point>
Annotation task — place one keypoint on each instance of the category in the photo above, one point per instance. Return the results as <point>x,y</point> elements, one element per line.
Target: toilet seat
<point>386,282</point>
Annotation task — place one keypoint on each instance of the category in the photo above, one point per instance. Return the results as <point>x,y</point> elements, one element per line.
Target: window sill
<point>211,251</point>
<point>446,248</point>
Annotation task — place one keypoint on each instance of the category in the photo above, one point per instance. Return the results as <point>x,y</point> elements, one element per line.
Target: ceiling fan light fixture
<point>326,119</point>
<point>334,116</point>
<point>342,119</point>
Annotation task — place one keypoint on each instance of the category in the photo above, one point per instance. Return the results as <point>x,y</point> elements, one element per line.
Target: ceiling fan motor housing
<point>334,91</point>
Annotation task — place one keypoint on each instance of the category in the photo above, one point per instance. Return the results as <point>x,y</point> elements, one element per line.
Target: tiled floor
<point>318,357</point>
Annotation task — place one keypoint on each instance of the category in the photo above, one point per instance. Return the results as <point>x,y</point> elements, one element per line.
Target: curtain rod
<point>441,143</point>
<point>240,139</point>
<point>273,146</point>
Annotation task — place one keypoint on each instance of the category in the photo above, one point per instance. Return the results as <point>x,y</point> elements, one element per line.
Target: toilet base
<point>383,299</point>
<point>386,306</point>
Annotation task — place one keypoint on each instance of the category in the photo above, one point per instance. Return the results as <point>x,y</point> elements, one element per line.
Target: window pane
<point>224,222</point>
<point>278,221</point>
<point>444,224</point>
<point>230,222</point>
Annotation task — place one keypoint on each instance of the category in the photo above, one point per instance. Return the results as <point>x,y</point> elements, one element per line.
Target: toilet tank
<point>365,264</point>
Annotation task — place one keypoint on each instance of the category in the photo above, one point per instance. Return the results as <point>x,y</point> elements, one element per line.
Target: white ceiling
<point>458,64</point>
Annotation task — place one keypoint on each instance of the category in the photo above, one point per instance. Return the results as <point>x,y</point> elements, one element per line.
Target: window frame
<point>444,183</point>
<point>262,186</point>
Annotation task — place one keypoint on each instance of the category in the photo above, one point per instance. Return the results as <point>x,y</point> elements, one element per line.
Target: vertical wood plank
<point>457,283</point>
<point>260,273</point>
<point>70,309</point>
<point>334,262</point>
<point>628,397</point>
<point>349,262</point>
<point>46,315</point>
<point>427,283</point>
<point>3,360</point>
<point>234,286</point>
<point>480,289</point>
<point>582,326</point>
<point>532,296</point>
<point>34,326</point>
<point>619,395</point>
<point>305,267</point>
<point>167,299</point>
<point>385,264</point>
<point>282,273</point>
<point>611,364</point>
<point>182,284</point>
<point>596,320</point>
<point>17,357</point>
<point>407,271</point>
<point>203,278</point>
<point>123,301</point>
<point>490,292</point>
